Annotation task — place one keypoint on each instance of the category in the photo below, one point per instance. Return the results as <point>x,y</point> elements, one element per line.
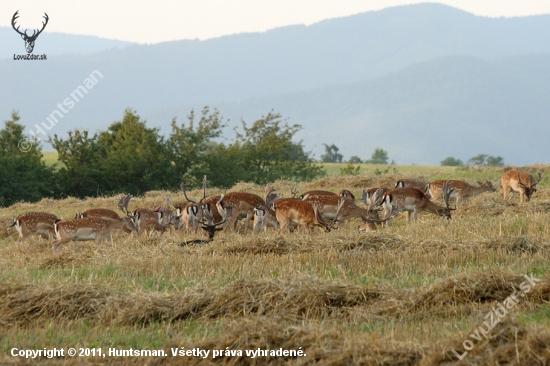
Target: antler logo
<point>29,40</point>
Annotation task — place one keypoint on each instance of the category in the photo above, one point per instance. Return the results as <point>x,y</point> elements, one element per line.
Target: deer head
<point>529,190</point>
<point>29,40</point>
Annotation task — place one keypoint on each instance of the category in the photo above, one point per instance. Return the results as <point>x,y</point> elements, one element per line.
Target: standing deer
<point>88,228</point>
<point>414,201</point>
<point>524,183</point>
<point>34,223</point>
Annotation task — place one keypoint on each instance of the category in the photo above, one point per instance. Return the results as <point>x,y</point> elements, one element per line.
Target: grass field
<point>409,294</point>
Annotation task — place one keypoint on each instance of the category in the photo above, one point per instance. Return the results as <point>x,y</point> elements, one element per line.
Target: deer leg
<point>58,244</point>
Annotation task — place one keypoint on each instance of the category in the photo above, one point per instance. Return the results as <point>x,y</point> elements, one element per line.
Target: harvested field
<point>404,295</point>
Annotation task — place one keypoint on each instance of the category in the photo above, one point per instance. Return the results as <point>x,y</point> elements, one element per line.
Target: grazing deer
<point>98,212</point>
<point>306,214</point>
<point>143,218</point>
<point>264,214</point>
<point>329,204</point>
<point>206,206</point>
<point>167,218</point>
<point>317,193</point>
<point>243,204</point>
<point>88,228</point>
<point>210,229</point>
<point>34,223</point>
<point>369,222</point>
<point>414,201</point>
<point>524,183</point>
<point>189,217</point>
<point>461,189</point>
<point>412,183</point>
<point>346,194</point>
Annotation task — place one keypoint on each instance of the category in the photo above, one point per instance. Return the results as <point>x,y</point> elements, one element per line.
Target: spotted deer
<point>88,228</point>
<point>414,201</point>
<point>461,189</point>
<point>143,218</point>
<point>306,214</point>
<point>516,181</point>
<point>34,223</point>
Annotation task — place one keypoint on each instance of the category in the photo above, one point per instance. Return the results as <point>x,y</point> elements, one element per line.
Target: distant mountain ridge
<point>299,61</point>
<point>454,105</point>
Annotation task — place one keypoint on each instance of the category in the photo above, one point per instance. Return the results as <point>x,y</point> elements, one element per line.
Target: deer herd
<point>323,209</point>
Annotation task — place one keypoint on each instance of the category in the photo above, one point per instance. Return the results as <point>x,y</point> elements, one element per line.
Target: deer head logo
<point>29,40</point>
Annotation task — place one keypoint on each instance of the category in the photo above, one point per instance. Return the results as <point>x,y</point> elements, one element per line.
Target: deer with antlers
<point>243,204</point>
<point>372,203</point>
<point>143,218</point>
<point>414,201</point>
<point>300,212</point>
<point>516,181</point>
<point>210,230</point>
<point>461,189</point>
<point>29,40</point>
<point>264,215</point>
<point>206,207</point>
<point>34,223</point>
<point>88,228</point>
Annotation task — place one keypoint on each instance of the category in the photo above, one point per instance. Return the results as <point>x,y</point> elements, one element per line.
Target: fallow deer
<point>88,228</point>
<point>369,222</point>
<point>461,189</point>
<point>143,218</point>
<point>414,201</point>
<point>210,229</point>
<point>243,204</point>
<point>34,223</point>
<point>264,215</point>
<point>412,183</point>
<point>317,193</point>
<point>98,212</point>
<point>524,183</point>
<point>328,207</point>
<point>206,207</point>
<point>306,214</point>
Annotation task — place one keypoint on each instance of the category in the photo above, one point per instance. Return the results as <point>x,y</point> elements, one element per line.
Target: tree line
<point>133,158</point>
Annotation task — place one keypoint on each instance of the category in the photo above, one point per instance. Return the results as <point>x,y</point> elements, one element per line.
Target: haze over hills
<point>454,105</point>
<point>384,70</point>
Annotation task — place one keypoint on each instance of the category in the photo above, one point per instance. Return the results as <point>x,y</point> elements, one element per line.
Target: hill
<point>451,106</point>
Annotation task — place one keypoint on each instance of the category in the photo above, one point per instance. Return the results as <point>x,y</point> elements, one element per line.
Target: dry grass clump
<point>295,298</point>
<point>259,245</point>
<point>507,343</point>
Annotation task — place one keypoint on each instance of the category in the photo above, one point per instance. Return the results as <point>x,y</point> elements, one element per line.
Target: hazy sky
<point>167,20</point>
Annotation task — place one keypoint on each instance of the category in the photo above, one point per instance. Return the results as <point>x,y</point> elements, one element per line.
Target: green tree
<point>191,144</point>
<point>451,161</point>
<point>331,154</point>
<point>23,174</point>
<point>494,161</point>
<point>355,160</point>
<point>379,156</point>
<point>81,174</point>
<point>136,157</point>
<point>269,153</point>
<point>478,160</point>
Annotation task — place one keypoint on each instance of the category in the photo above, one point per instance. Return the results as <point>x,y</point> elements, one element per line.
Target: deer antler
<point>447,191</point>
<point>390,215</point>
<point>123,204</point>
<point>293,192</point>
<point>183,188</point>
